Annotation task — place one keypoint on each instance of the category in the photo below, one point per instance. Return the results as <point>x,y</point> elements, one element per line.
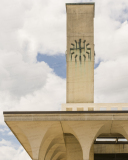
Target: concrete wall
<point>94,106</point>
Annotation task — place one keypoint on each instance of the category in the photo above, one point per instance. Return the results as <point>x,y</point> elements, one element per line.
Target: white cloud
<point>5,143</point>
<point>111,38</point>
<point>1,130</point>
<point>29,27</point>
<point>4,130</point>
<point>10,133</point>
<point>20,78</point>
<point>48,97</point>
<point>111,81</point>
<point>111,35</point>
<point>7,152</point>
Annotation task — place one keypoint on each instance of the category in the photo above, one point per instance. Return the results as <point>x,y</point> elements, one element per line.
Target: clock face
<point>80,51</point>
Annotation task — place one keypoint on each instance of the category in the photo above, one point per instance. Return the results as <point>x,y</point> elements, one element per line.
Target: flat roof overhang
<point>64,115</point>
<point>29,126</point>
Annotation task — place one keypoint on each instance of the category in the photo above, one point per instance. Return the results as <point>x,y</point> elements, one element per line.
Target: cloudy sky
<point>33,65</point>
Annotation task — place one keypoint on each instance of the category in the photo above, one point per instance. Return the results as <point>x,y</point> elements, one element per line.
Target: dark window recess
<point>119,156</point>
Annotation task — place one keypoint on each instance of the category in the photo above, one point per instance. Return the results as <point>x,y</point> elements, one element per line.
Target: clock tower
<point>80,53</point>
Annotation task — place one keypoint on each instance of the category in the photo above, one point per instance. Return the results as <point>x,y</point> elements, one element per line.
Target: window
<point>68,109</point>
<point>90,109</point>
<point>114,109</point>
<point>124,108</point>
<point>80,109</point>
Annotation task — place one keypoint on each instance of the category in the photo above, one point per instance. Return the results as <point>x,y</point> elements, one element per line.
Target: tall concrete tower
<point>80,52</point>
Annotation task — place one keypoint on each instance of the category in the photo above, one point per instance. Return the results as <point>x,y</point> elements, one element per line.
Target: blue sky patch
<point>57,63</point>
<point>4,134</point>
<point>97,64</point>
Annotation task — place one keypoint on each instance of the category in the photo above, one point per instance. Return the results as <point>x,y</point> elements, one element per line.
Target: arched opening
<point>110,142</point>
<point>112,146</point>
<point>64,147</point>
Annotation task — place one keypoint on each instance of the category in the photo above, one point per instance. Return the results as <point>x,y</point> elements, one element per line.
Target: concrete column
<point>91,155</point>
<point>80,53</point>
<point>86,133</point>
<point>73,148</point>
